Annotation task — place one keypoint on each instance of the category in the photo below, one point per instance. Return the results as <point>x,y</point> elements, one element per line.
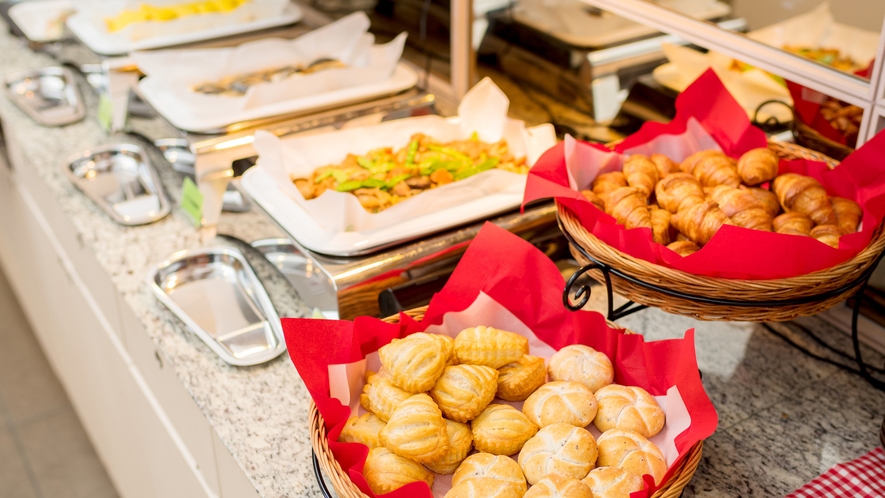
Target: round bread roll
<point>579,363</point>
<point>482,488</point>
<point>386,471</point>
<point>501,430</point>
<point>559,486</point>
<point>612,482</point>
<point>460,443</point>
<point>561,403</point>
<point>463,391</point>
<point>558,448</point>
<point>485,466</point>
<point>630,451</point>
<point>630,408</point>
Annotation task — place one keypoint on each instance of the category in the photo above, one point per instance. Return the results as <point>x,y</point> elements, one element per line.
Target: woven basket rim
<point>346,488</point>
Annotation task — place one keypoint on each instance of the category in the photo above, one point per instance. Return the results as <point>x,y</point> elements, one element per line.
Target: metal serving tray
<point>310,280</point>
<point>122,181</point>
<point>183,157</point>
<point>218,297</point>
<point>48,95</point>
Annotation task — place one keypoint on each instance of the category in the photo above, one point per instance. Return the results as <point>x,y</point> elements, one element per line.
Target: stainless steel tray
<point>122,181</point>
<point>310,280</point>
<point>218,297</point>
<point>48,95</point>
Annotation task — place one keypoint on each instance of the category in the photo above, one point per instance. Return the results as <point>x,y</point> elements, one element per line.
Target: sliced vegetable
<point>396,179</point>
<point>340,175</point>
<point>413,149</point>
<point>349,186</point>
<point>486,165</point>
<point>449,152</point>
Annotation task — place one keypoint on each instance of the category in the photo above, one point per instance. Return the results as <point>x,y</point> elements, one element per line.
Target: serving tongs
<point>48,95</point>
<point>121,180</point>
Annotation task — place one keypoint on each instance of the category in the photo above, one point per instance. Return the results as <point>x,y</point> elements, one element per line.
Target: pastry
<point>742,207</point>
<point>848,214</point>
<point>559,448</point>
<point>683,247</point>
<point>485,466</point>
<point>364,429</point>
<point>828,234</point>
<point>664,164</point>
<point>678,191</point>
<point>416,430</point>
<point>519,379</point>
<point>629,207</point>
<point>415,362</point>
<point>608,182</point>
<point>660,225</point>
<point>482,488</point>
<point>489,347</point>
<point>630,451</point>
<point>758,166</point>
<point>386,471</point>
<point>594,199</point>
<point>465,390</point>
<point>501,430</point>
<point>583,364</point>
<point>612,482</point>
<point>711,168</point>
<point>628,407</point>
<point>641,173</point>
<point>381,397</point>
<point>794,223</point>
<point>805,195</point>
<point>559,486</point>
<point>460,439</point>
<point>701,221</point>
<point>561,402</point>
<point>768,200</point>
<point>447,343</point>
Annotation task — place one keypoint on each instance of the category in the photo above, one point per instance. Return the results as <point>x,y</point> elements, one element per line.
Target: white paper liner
<point>346,381</point>
<point>483,110</point>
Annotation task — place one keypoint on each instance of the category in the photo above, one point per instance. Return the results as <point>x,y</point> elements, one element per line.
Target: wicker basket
<point>807,136</point>
<point>834,284</point>
<point>345,487</point>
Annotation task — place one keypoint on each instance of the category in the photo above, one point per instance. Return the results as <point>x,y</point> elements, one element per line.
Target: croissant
<point>711,168</point>
<point>828,234</point>
<point>660,224</point>
<point>607,182</point>
<point>805,195</point>
<point>742,207</point>
<point>767,198</point>
<point>700,221</point>
<point>628,206</point>
<point>641,173</point>
<point>594,199</point>
<point>683,247</point>
<point>848,213</point>
<point>758,166</point>
<point>794,223</point>
<point>664,164</point>
<point>679,191</point>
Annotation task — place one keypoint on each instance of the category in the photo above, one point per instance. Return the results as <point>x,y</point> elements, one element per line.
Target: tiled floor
<point>44,451</point>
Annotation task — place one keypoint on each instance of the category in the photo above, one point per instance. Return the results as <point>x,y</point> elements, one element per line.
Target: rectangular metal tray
<point>311,281</point>
<point>48,95</point>
<point>218,297</point>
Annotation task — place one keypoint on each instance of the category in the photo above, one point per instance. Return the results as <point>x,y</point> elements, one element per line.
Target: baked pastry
<point>793,223</point>
<point>460,439</point>
<point>678,191</point>
<point>701,221</point>
<point>381,397</point>
<point>828,234</point>
<point>742,207</point>
<point>489,347</point>
<point>641,173</point>
<point>482,488</point>
<point>364,429</point>
<point>416,430</point>
<point>518,379</point>
<point>463,391</point>
<point>561,402</point>
<point>594,199</point>
<point>485,466</point>
<point>559,486</point>
<point>660,224</point>
<point>758,166</point>
<point>805,195</point>
<point>848,214</point>
<point>608,182</point>
<point>768,200</point>
<point>561,449</point>
<point>415,362</point>
<point>630,451</point>
<point>629,207</point>
<point>501,430</point>
<point>583,364</point>
<point>628,407</point>
<point>711,168</point>
<point>664,164</point>
<point>612,482</point>
<point>683,247</point>
<point>386,471</point>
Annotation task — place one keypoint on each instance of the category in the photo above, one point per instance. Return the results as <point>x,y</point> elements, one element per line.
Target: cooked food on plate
<point>829,56</point>
<point>383,177</point>
<point>161,13</point>
<point>237,86</point>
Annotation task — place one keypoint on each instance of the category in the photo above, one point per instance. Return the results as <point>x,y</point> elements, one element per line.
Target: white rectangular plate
<point>36,18</point>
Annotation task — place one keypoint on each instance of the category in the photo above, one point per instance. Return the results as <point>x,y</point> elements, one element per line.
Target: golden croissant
<point>742,207</point>
<point>660,224</point>
<point>711,168</point>
<point>629,207</point>
<point>758,166</point>
<point>848,214</point>
<point>793,223</point>
<point>594,199</point>
<point>683,247</point>
<point>679,191</point>
<point>805,195</point>
<point>608,182</point>
<point>828,234</point>
<point>641,173</point>
<point>767,198</point>
<point>664,164</point>
<point>701,221</point>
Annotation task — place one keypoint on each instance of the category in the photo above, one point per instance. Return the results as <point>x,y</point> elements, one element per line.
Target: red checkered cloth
<point>861,478</point>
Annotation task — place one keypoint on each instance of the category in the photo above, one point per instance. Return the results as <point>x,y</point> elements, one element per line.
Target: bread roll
<point>559,486</point>
<point>381,397</point>
<point>559,448</point>
<point>463,391</point>
<point>482,466</point>
<point>489,347</point>
<point>630,408</point>
<point>416,430</point>
<point>519,379</point>
<point>612,482</point>
<point>561,402</point>
<point>460,439</point>
<point>482,488</point>
<point>386,471</point>
<point>364,429</point>
<point>414,363</point>
<point>583,364</point>
<point>630,451</point>
<point>501,430</point>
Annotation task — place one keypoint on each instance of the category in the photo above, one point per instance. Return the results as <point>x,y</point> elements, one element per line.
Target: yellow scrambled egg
<point>169,12</point>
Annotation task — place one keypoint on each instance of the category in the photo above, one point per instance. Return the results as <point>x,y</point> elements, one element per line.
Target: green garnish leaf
<point>396,179</point>
<point>349,186</point>
<point>340,176</point>
<point>322,176</point>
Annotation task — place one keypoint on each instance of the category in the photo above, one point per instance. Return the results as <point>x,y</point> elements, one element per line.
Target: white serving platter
<point>38,18</point>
